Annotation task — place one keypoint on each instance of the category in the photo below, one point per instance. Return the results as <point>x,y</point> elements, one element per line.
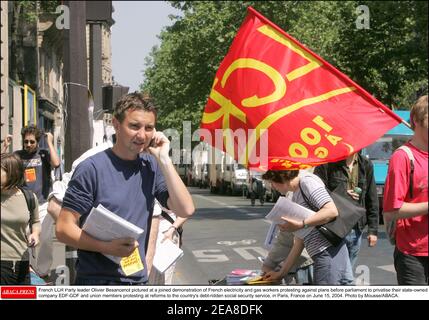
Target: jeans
<point>332,266</point>
<point>304,275</point>
<point>353,242</point>
<point>410,270</point>
<point>15,272</point>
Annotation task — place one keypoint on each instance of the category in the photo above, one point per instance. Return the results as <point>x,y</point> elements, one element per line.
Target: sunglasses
<point>29,141</point>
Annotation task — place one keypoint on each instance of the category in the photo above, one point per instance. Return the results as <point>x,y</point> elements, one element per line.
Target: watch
<point>304,225</point>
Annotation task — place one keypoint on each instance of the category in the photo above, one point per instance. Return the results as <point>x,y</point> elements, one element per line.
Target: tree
<point>389,59</point>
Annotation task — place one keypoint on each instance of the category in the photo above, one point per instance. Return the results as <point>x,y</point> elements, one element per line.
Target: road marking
<point>216,255</point>
<point>237,242</point>
<point>222,204</point>
<point>254,214</point>
<point>388,267</point>
<point>210,255</point>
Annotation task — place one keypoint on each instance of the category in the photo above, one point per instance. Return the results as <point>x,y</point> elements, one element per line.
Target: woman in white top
<point>166,230</point>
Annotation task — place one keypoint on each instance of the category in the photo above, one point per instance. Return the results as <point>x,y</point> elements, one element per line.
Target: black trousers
<point>410,270</point>
<point>15,273</point>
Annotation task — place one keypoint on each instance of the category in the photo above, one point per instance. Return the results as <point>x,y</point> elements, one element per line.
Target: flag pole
<point>406,123</point>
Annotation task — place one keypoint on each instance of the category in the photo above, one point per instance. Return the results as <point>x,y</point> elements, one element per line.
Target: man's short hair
<point>133,101</point>
<point>14,168</point>
<point>419,111</point>
<point>31,129</point>
<point>280,176</point>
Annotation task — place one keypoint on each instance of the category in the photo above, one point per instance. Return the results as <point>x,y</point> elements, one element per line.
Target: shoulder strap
<point>166,216</point>
<point>149,225</point>
<point>44,155</point>
<point>410,155</point>
<point>31,204</point>
<point>306,199</point>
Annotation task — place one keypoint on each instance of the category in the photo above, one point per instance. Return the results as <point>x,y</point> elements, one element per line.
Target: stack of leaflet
<point>259,280</point>
<point>241,276</point>
<point>105,225</point>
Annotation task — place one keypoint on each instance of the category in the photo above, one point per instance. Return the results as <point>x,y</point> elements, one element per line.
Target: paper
<point>271,236</point>
<point>259,280</point>
<point>166,254</point>
<point>132,263</point>
<point>105,225</point>
<point>240,276</point>
<point>286,208</point>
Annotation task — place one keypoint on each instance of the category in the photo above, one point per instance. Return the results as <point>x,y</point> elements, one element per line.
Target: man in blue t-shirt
<point>124,179</point>
<point>38,164</point>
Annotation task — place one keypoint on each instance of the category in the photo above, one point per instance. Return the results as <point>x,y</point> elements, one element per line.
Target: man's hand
<point>168,234</point>
<point>49,138</point>
<point>160,145</point>
<point>372,240</point>
<point>353,194</point>
<point>6,143</point>
<point>272,275</point>
<point>33,240</point>
<point>122,247</point>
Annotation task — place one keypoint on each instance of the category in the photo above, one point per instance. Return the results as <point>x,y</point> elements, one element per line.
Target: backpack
<point>391,225</point>
<point>31,205</point>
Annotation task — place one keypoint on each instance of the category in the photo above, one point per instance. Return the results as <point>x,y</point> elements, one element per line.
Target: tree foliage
<point>389,59</point>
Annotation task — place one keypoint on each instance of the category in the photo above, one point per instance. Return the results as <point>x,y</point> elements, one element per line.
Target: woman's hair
<point>419,111</point>
<point>133,101</point>
<point>280,176</point>
<point>14,168</point>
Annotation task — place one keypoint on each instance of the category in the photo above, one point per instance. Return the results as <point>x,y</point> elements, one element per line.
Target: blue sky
<point>137,24</point>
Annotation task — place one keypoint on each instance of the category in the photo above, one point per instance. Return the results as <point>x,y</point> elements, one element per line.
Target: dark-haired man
<point>38,164</point>
<point>126,182</point>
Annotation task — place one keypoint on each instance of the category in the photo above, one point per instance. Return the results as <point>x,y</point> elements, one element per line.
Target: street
<point>226,233</point>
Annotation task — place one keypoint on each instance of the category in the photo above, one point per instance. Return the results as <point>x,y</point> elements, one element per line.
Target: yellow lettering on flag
<point>274,117</point>
<point>132,263</point>
<point>298,72</point>
<point>273,74</point>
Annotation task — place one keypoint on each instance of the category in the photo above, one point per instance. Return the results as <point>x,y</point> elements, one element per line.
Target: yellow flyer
<point>132,263</point>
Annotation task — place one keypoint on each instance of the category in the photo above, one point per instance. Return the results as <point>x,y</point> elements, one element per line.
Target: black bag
<point>349,214</point>
<point>31,205</point>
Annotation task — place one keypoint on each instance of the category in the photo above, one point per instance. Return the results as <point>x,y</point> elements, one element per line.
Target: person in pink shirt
<point>409,207</point>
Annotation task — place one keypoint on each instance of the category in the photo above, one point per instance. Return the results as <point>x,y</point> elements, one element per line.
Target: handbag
<point>349,214</point>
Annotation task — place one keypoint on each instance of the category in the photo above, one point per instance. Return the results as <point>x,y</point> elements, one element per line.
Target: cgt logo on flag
<point>280,92</point>
<point>21,292</point>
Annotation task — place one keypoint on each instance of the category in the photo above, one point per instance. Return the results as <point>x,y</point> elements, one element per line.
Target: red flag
<point>311,112</point>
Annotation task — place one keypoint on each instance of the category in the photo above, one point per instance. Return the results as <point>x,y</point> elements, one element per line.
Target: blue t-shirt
<point>125,187</point>
<point>37,172</point>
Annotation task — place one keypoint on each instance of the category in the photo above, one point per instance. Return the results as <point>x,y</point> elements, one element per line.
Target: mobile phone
<point>152,143</point>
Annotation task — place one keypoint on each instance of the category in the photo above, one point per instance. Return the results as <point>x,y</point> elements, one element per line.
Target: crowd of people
<point>134,177</point>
